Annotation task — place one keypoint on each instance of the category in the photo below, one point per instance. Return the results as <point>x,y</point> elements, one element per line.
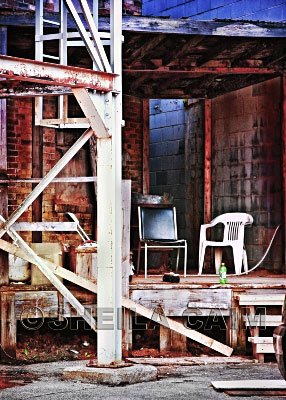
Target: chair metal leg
<point>145,260</point>
<point>218,258</point>
<point>138,258</point>
<point>185,259</point>
<point>178,257</point>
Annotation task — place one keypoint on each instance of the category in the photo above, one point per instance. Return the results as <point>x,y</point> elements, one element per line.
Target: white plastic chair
<point>233,236</point>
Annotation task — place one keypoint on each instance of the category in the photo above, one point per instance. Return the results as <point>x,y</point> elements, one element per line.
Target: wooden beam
<point>65,179</point>
<point>4,270</point>
<point>251,384</point>
<point>165,25</point>
<point>283,127</point>
<point>8,327</point>
<point>44,227</point>
<point>145,116</point>
<point>127,315</point>
<point>53,74</point>
<point>177,327</point>
<point>208,154</point>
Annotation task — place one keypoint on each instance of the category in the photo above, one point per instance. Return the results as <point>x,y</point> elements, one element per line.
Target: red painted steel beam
<point>54,74</point>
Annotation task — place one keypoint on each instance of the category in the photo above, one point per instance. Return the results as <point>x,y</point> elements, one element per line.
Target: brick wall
<point>132,142</point>
<point>19,150</point>
<point>19,137</point>
<point>262,10</point>
<point>167,154</point>
<point>129,7</point>
<point>246,163</point>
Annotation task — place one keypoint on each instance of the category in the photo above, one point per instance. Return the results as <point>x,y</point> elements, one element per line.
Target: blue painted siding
<point>253,10</point>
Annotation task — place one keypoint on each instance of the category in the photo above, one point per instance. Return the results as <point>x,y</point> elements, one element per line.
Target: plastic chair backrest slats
<point>233,230</point>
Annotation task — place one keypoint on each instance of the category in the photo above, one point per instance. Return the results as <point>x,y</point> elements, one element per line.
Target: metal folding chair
<point>158,230</point>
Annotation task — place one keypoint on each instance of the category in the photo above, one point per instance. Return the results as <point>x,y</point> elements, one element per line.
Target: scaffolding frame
<point>100,99</point>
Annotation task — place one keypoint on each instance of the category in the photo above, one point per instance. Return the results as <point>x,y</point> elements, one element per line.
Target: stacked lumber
<point>255,322</point>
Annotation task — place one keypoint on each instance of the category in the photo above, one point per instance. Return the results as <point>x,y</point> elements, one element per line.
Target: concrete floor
<point>175,382</point>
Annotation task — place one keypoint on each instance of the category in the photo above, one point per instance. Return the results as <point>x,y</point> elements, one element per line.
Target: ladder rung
<point>51,57</point>
<point>48,21</point>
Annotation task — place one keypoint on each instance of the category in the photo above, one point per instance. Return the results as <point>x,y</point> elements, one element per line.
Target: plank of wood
<point>262,320</point>
<point>45,226</point>
<point>260,300</point>
<point>202,360</point>
<point>259,339</point>
<point>68,179</point>
<point>263,348</point>
<point>8,327</point>
<point>177,327</point>
<point>270,384</point>
<point>193,304</point>
<point>36,304</point>
<point>250,393</point>
<point>167,25</point>
<point>176,302</point>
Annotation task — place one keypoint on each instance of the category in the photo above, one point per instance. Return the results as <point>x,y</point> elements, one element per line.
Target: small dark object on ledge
<point>171,277</point>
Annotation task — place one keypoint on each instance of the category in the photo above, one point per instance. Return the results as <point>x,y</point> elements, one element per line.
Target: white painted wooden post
<point>109,212</point>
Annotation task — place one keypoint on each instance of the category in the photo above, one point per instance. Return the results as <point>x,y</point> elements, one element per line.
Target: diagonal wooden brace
<point>41,264</point>
<point>46,180</point>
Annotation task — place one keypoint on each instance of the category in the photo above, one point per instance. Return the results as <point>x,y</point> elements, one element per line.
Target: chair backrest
<point>157,223</point>
<point>233,225</point>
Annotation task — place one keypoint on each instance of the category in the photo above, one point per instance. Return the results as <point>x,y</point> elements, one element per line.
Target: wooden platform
<point>251,281</point>
<point>203,296</point>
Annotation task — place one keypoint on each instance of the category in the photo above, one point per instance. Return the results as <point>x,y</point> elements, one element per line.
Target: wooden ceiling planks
<point>151,46</point>
<point>162,71</point>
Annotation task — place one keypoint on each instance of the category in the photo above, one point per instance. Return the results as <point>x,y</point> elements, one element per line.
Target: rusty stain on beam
<point>54,74</point>
<point>20,89</point>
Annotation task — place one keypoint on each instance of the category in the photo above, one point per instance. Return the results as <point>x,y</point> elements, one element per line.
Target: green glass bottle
<point>222,274</point>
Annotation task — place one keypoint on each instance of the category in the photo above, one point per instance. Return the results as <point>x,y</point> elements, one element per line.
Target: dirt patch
<point>45,346</point>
